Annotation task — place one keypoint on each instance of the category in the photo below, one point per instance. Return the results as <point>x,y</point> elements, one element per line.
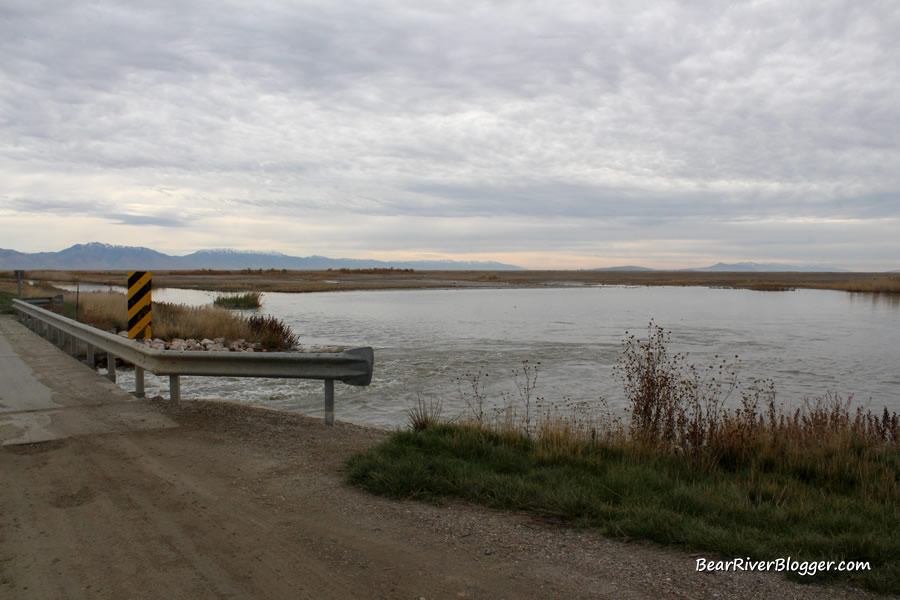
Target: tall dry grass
<point>676,407</point>
<point>707,416</point>
<point>109,310</point>
<point>104,310</point>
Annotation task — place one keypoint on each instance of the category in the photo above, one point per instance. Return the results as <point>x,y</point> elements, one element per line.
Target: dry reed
<point>108,311</point>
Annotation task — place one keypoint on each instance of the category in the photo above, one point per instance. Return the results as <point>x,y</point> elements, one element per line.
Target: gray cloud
<point>652,116</point>
<point>125,219</point>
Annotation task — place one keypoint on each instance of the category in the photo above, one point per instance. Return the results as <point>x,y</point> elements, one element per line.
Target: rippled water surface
<point>808,341</point>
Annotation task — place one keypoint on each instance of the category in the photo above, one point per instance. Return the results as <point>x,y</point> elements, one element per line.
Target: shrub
<point>424,414</point>
<point>677,408</point>
<point>271,332</point>
<point>247,300</point>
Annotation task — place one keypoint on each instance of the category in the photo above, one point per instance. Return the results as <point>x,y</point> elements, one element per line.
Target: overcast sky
<point>564,134</point>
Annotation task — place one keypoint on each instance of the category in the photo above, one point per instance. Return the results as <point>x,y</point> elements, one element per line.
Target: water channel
<point>431,343</point>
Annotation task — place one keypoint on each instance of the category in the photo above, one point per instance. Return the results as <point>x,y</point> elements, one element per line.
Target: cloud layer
<point>576,134</point>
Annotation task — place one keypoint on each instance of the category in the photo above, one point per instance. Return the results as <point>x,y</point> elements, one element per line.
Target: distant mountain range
<point>96,256</point>
<point>744,267</point>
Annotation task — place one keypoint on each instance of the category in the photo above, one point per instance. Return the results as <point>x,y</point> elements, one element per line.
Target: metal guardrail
<point>352,367</point>
<point>45,301</point>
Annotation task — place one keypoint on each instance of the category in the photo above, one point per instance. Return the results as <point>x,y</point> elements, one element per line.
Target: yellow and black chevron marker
<point>139,301</point>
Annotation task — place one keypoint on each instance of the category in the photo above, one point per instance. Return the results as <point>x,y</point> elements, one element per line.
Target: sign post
<point>139,305</point>
<point>19,276</point>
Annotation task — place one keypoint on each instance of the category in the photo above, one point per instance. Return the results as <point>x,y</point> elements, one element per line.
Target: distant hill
<point>752,267</point>
<point>624,268</point>
<point>747,267</point>
<point>97,256</point>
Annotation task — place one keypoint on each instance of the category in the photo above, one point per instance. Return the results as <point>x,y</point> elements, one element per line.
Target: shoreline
<point>261,509</point>
<point>367,280</point>
<point>245,501</point>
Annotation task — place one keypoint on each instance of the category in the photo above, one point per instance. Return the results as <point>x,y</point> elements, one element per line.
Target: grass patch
<point>760,511</point>
<point>6,299</point>
<point>819,484</point>
<point>247,300</point>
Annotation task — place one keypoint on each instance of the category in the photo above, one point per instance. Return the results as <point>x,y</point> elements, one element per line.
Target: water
<point>807,341</point>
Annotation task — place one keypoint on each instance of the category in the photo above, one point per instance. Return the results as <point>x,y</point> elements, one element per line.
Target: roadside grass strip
<point>6,303</point>
<point>760,513</point>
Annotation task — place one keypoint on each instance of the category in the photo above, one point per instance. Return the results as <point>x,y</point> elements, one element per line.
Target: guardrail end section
<point>366,355</point>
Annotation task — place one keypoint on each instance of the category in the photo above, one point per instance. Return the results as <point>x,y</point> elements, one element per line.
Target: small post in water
<point>111,367</point>
<point>329,402</point>
<point>139,381</point>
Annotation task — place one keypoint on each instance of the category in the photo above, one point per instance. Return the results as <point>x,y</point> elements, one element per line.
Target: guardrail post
<point>90,355</point>
<point>329,402</point>
<point>73,346</point>
<point>175,388</point>
<point>138,381</point>
<point>111,366</point>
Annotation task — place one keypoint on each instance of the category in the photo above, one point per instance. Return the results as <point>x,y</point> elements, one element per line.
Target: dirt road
<point>236,502</point>
<point>244,503</point>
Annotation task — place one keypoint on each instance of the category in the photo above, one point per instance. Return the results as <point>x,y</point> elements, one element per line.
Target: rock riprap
<point>207,345</point>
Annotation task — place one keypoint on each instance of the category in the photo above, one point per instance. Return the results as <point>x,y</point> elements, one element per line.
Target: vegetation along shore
<point>679,468</point>
<point>275,280</point>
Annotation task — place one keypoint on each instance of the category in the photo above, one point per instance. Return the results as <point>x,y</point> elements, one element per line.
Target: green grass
<point>763,511</point>
<point>6,303</point>
<point>247,300</point>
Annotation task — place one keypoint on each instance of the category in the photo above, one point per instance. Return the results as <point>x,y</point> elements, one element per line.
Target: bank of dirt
<point>239,502</point>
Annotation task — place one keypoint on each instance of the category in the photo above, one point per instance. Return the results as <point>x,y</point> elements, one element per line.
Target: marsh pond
<point>432,344</point>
